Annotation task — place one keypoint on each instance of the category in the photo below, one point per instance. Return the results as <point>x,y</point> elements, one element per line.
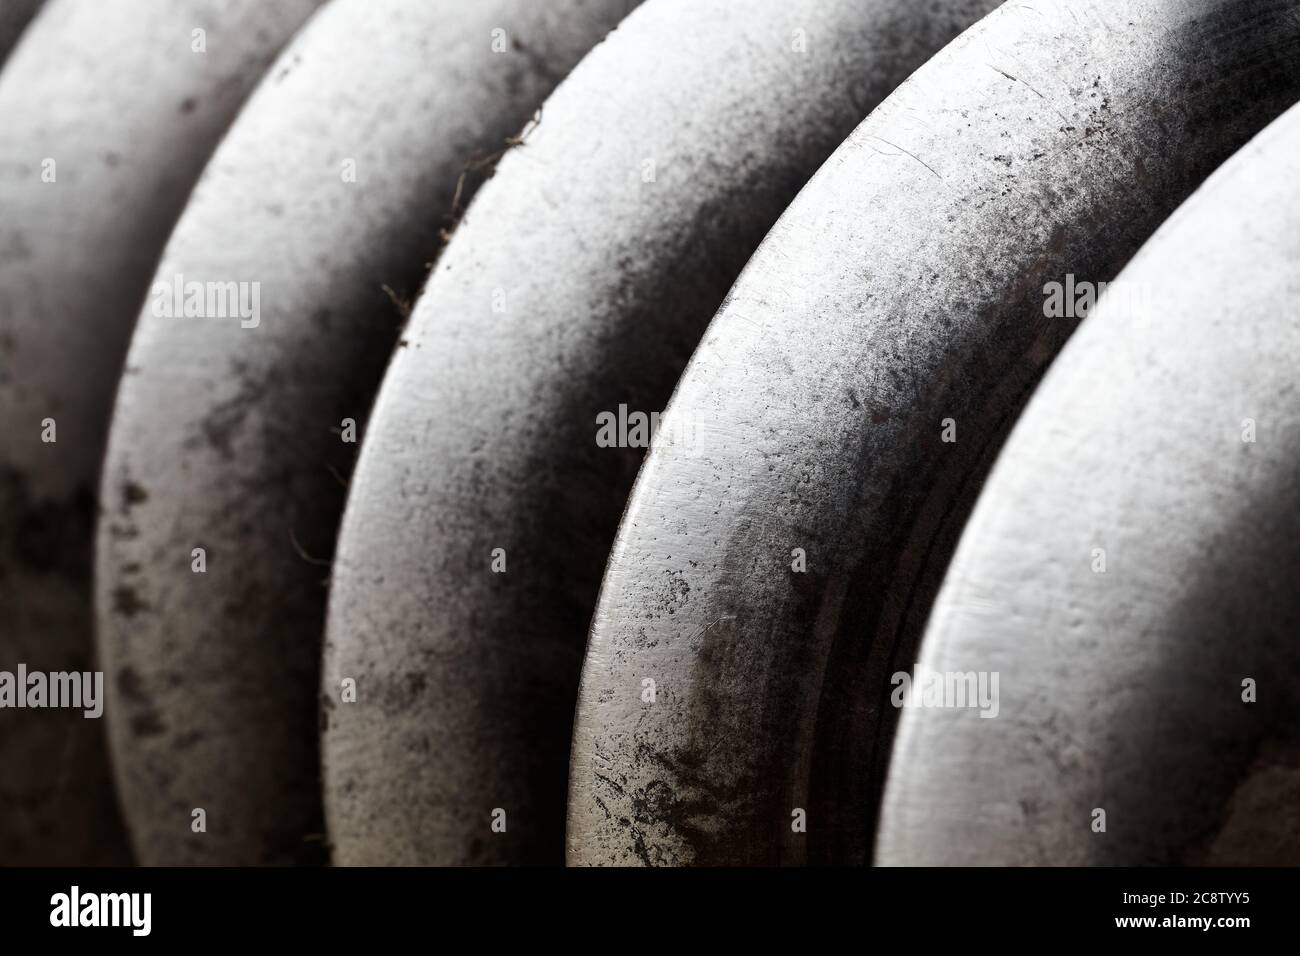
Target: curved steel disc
<point>14,16</point>
<point>899,299</point>
<point>1167,438</point>
<point>229,432</point>
<point>107,113</point>
<point>580,282</point>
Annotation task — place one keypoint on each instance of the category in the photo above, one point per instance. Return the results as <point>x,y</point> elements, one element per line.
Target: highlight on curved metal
<point>14,17</point>
<point>108,110</point>
<point>1116,577</point>
<point>233,431</point>
<point>484,502</point>
<point>771,578</point>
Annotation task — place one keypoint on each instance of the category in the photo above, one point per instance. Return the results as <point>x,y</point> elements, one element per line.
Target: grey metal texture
<point>581,280</point>
<point>14,16</point>
<point>229,432</point>
<point>115,96</point>
<point>1167,437</point>
<point>902,288</point>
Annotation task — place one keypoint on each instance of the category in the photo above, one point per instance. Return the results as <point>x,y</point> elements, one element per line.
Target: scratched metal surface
<point>112,92</point>
<point>1121,689</point>
<point>902,288</point>
<point>230,438</point>
<point>483,437</point>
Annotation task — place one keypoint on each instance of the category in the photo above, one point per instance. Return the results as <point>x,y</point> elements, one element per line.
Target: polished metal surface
<point>579,283</point>
<point>108,111</point>
<point>1166,436</point>
<point>897,303</point>
<point>231,431</point>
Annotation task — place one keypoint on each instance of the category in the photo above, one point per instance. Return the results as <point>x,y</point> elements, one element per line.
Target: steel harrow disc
<point>108,111</point>
<point>1129,573</point>
<point>773,575</point>
<point>486,497</point>
<point>235,431</point>
<point>517,613</point>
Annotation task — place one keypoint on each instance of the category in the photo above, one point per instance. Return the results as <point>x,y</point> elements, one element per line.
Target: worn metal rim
<point>108,111</point>
<point>899,298</point>
<point>1129,567</point>
<point>234,433</point>
<point>579,283</point>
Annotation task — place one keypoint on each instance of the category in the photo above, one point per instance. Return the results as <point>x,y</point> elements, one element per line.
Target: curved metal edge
<point>14,17</point>
<point>1130,563</point>
<point>108,113</point>
<point>234,433</point>
<point>484,503</point>
<point>899,296</point>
